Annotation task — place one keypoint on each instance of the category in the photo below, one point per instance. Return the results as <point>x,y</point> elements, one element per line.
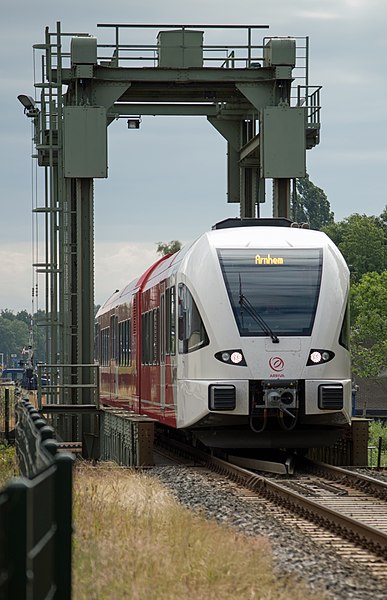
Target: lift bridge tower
<point>256,93</point>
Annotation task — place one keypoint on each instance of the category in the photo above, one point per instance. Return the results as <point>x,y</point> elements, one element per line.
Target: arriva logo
<point>276,363</point>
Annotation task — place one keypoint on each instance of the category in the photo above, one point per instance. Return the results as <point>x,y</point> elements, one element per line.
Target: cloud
<point>319,15</point>
<point>116,264</point>
<point>15,276</point>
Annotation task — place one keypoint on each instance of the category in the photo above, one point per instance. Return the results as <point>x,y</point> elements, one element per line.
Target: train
<point>239,340</point>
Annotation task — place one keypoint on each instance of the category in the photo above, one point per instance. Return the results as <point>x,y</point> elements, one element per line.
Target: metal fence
<point>370,399</point>
<point>126,439</point>
<point>36,515</point>
<point>7,413</point>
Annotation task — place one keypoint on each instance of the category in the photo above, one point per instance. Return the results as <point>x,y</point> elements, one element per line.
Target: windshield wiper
<point>246,304</point>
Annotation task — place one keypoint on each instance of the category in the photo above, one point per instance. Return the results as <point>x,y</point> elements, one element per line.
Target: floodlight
<point>27,101</point>
<point>134,123</point>
<point>30,108</point>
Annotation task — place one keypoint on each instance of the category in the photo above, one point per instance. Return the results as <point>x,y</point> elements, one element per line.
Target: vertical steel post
<point>63,518</point>
<point>281,198</point>
<point>16,539</point>
<point>85,291</point>
<point>6,414</point>
<point>380,451</point>
<point>248,176</point>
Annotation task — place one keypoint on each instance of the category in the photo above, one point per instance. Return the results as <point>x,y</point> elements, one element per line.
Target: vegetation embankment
<point>378,429</point>
<point>133,540</point>
<point>8,464</point>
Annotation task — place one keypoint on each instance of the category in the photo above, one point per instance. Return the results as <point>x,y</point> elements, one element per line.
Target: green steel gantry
<point>257,95</point>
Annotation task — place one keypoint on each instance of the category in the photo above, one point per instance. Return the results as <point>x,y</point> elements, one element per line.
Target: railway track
<point>336,507</point>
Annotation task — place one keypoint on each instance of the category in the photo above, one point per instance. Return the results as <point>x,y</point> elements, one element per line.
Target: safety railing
<point>240,53</point>
<point>68,384</point>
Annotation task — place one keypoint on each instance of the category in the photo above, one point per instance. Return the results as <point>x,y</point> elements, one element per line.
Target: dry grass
<point>133,540</point>
<point>8,464</point>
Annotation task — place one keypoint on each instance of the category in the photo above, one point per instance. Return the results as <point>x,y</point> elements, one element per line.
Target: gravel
<point>380,475</point>
<point>293,552</point>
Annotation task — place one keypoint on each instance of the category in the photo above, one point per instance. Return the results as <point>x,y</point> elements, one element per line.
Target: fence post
<point>17,539</point>
<point>63,517</point>
<point>380,451</point>
<point>6,414</point>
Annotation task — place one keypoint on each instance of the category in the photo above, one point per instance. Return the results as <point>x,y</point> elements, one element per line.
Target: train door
<point>162,349</point>
<point>137,344</point>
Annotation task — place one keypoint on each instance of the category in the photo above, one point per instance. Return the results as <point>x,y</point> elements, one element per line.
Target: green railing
<point>36,515</point>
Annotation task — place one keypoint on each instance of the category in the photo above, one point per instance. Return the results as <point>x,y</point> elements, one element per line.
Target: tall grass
<point>133,540</point>
<point>378,429</point>
<point>8,463</point>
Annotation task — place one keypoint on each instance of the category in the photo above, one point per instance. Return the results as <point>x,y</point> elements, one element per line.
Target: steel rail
<point>367,536</point>
<point>361,481</point>
<point>364,535</point>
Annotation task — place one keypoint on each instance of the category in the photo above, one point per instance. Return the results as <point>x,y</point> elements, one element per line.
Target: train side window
<point>120,343</point>
<point>145,338</point>
<point>114,337</point>
<point>345,330</point>
<point>124,332</point>
<point>170,318</point>
<point>97,342</point>
<point>156,338</point>
<point>128,343</point>
<point>150,322</point>
<point>162,328</point>
<point>105,346</point>
<point>192,333</point>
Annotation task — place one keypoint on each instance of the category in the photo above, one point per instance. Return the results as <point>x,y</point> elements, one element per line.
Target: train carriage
<point>241,338</point>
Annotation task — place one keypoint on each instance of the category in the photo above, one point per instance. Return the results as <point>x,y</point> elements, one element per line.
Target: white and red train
<point>240,339</point>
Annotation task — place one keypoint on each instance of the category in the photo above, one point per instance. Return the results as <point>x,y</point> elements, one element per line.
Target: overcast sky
<point>168,180</point>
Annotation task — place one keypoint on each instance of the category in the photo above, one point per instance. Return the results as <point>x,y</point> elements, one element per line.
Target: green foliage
<point>378,429</point>
<point>15,332</point>
<point>369,325</point>
<point>362,241</point>
<point>168,248</point>
<point>311,205</point>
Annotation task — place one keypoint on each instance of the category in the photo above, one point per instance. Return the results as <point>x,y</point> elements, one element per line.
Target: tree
<point>310,205</point>
<point>168,248</point>
<point>24,316</point>
<point>369,329</point>
<point>15,334</point>
<point>362,241</point>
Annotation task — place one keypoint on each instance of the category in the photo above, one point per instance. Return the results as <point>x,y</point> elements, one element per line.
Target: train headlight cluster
<point>318,357</point>
<point>231,357</point>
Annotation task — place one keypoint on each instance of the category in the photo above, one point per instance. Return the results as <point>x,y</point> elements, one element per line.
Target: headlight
<point>315,357</point>
<point>318,357</point>
<point>231,357</point>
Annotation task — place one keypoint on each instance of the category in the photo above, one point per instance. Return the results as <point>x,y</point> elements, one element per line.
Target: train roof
<point>266,236</point>
<point>261,222</point>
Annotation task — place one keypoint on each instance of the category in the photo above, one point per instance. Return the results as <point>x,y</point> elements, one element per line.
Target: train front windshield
<point>272,289</point>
